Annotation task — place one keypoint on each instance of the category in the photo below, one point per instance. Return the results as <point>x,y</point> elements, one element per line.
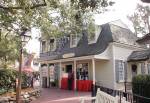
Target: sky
<point>119,10</point>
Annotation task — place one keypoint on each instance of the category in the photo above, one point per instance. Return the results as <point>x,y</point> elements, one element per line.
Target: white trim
<point>134,47</point>
<point>68,59</point>
<point>113,63</point>
<point>76,40</point>
<point>48,44</point>
<point>41,46</point>
<point>97,33</point>
<point>93,68</point>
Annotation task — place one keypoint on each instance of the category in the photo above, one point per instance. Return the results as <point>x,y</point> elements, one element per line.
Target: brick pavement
<point>54,95</point>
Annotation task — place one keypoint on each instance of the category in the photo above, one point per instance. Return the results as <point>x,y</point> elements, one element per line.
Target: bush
<point>8,80</point>
<point>141,86</point>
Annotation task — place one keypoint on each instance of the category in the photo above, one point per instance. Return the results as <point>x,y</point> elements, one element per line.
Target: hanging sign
<point>68,55</point>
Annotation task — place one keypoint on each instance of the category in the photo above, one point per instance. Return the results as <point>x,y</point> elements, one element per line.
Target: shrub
<point>141,86</point>
<point>8,80</point>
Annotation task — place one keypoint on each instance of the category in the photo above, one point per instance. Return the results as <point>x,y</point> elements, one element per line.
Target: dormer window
<point>43,46</point>
<point>93,33</point>
<point>74,39</point>
<point>52,44</point>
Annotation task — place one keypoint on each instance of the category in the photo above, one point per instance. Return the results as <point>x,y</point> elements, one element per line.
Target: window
<point>134,70</point>
<point>43,48</point>
<point>52,45</point>
<point>74,40</point>
<point>93,33</point>
<point>120,73</point>
<point>143,68</point>
<point>82,71</point>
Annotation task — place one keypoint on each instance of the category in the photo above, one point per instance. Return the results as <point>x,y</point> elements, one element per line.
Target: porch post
<point>40,69</point>
<point>75,79</point>
<point>48,75</point>
<point>93,68</point>
<point>60,75</point>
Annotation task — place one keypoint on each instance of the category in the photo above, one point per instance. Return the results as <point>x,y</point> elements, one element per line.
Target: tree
<point>9,49</point>
<point>141,19</point>
<point>18,14</point>
<point>52,17</point>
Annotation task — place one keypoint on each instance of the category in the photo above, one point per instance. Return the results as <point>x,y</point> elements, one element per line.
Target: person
<point>70,79</point>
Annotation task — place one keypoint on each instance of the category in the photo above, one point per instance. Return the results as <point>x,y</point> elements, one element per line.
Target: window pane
<point>43,46</point>
<point>121,70</point>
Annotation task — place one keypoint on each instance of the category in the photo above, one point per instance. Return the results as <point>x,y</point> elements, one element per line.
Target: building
<point>100,58</point>
<point>139,61</point>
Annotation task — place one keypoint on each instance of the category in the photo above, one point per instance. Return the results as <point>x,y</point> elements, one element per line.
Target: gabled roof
<point>106,36</point>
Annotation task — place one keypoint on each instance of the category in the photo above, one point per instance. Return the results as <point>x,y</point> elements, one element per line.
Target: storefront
<point>82,70</point>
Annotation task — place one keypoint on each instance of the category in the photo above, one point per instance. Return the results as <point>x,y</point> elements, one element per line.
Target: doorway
<point>68,68</point>
<point>134,70</point>
<point>44,82</point>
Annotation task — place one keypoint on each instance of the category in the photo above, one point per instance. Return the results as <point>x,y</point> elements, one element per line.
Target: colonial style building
<point>139,61</point>
<point>97,58</point>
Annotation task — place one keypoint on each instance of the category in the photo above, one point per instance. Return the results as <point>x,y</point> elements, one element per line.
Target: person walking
<point>70,80</point>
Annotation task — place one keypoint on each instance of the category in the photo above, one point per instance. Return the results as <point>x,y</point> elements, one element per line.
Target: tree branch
<point>20,7</point>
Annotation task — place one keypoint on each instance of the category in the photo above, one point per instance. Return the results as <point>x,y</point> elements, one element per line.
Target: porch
<point>86,71</point>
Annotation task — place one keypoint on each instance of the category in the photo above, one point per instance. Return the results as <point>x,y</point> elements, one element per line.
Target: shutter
<point>125,70</point>
<point>117,70</point>
<point>148,67</point>
<point>142,68</point>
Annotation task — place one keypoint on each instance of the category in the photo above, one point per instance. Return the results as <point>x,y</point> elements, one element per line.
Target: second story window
<point>74,40</point>
<point>52,44</point>
<point>93,33</point>
<point>43,46</point>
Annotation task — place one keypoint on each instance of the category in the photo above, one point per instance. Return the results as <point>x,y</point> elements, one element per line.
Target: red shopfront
<point>82,77</point>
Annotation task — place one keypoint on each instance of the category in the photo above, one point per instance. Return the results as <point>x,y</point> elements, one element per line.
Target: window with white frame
<point>43,46</point>
<point>143,68</point>
<point>52,44</point>
<point>120,72</point>
<point>74,40</point>
<point>93,33</point>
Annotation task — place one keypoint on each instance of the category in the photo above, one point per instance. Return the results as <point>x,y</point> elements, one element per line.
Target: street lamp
<point>24,39</point>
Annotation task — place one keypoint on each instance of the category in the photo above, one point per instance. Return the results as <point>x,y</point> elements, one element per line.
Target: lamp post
<point>24,39</point>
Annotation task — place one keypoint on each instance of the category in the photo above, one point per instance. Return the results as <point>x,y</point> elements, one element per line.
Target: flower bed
<point>27,95</point>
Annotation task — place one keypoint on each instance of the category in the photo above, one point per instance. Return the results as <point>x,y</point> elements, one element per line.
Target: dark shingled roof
<point>83,48</point>
<point>145,39</point>
<point>107,35</point>
<point>139,55</point>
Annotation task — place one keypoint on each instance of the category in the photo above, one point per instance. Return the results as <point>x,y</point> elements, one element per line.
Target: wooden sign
<point>68,55</point>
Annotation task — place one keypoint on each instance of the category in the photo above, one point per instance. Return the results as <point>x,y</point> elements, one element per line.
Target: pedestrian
<point>70,80</point>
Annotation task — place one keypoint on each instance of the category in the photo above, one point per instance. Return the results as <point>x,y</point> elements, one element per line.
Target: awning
<point>27,69</point>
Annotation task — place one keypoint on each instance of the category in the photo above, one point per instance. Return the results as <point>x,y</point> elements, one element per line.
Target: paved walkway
<point>61,96</point>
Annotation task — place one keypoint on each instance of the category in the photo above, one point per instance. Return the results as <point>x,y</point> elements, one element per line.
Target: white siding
<point>104,68</point>
<point>121,52</point>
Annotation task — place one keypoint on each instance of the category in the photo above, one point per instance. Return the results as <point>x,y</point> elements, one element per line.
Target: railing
<point>132,98</point>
